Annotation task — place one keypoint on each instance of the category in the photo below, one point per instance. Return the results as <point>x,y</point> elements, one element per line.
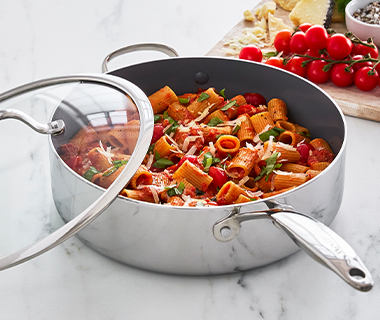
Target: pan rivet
<point>225,232</point>
<point>201,77</point>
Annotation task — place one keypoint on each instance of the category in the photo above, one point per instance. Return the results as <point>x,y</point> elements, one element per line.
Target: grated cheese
<point>243,181</point>
<point>155,194</point>
<point>150,161</point>
<point>107,154</point>
<point>188,140</point>
<point>212,148</point>
<point>192,150</point>
<point>204,113</point>
<point>254,194</point>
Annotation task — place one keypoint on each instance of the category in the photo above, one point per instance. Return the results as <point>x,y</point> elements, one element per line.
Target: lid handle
<point>53,127</point>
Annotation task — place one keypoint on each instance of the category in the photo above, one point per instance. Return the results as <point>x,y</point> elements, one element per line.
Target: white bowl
<point>360,29</point>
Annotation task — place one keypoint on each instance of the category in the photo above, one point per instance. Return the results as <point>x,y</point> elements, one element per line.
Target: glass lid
<point>96,130</point>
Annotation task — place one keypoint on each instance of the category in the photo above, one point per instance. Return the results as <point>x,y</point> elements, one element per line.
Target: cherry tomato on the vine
<point>313,53</point>
<point>282,41</point>
<point>276,62</point>
<point>255,99</point>
<point>294,65</point>
<point>340,77</point>
<point>366,79</point>
<point>339,46</point>
<point>315,71</point>
<point>316,37</point>
<point>364,50</point>
<point>360,65</point>
<point>297,43</point>
<point>304,26</point>
<point>252,53</point>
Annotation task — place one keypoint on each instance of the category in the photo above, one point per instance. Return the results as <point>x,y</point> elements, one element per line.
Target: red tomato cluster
<point>326,50</point>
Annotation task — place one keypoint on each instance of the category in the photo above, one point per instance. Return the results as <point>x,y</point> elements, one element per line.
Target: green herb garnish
<point>174,124</point>
<point>214,122</point>
<point>162,163</point>
<point>271,165</point>
<point>229,105</point>
<point>90,173</point>
<point>272,132</point>
<point>221,93</point>
<point>203,96</point>
<point>157,118</point>
<point>184,100</point>
<point>177,190</point>
<point>199,192</point>
<point>199,204</point>
<point>304,134</point>
<point>236,129</point>
<point>151,147</point>
<point>208,161</point>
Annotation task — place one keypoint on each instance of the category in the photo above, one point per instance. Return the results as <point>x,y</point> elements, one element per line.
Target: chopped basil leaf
<point>272,132</point>
<point>229,105</point>
<point>162,163</point>
<point>199,192</point>
<point>119,163</point>
<point>166,115</point>
<point>236,129</point>
<point>203,96</point>
<point>271,165</point>
<point>151,147</point>
<point>304,134</point>
<point>214,122</point>
<point>157,117</point>
<point>157,155</point>
<point>209,160</point>
<point>176,191</point>
<point>199,204</point>
<point>184,100</point>
<point>213,199</point>
<point>229,155</point>
<point>90,173</point>
<point>173,127</point>
<point>252,199</point>
<point>221,93</point>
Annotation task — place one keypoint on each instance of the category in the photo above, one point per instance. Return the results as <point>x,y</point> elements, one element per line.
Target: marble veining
<point>52,38</point>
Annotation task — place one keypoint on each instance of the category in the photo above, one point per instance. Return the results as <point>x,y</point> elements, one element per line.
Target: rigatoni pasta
<point>206,151</point>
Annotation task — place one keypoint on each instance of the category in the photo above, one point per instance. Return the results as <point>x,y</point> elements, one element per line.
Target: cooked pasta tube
<point>274,193</point>
<point>142,195</point>
<point>302,130</point>
<point>197,107</point>
<point>178,112</point>
<point>313,173</point>
<point>102,132</point>
<point>292,138</point>
<point>246,132</point>
<point>176,201</point>
<point>229,193</point>
<point>242,163</point>
<point>319,166</point>
<point>287,180</point>
<point>286,125</point>
<point>242,199</point>
<point>142,177</point>
<point>175,157</point>
<point>106,178</point>
<point>277,109</point>
<point>85,136</point>
<point>161,99</point>
<point>125,136</point>
<point>216,114</point>
<point>321,144</point>
<point>261,121</point>
<point>99,159</point>
<point>266,184</point>
<point>287,152</point>
<point>194,175</point>
<point>163,147</point>
<point>161,179</point>
<point>227,144</point>
<point>294,167</point>
<point>232,111</point>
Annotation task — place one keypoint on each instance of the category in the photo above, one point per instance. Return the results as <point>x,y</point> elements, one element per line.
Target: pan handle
<point>312,236</point>
<point>138,47</point>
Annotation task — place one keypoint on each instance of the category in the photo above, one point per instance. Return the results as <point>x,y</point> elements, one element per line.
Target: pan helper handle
<point>54,127</point>
<point>312,236</point>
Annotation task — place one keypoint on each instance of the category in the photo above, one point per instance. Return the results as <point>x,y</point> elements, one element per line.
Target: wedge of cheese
<point>287,4</point>
<point>267,7</point>
<point>312,11</point>
<point>275,25</point>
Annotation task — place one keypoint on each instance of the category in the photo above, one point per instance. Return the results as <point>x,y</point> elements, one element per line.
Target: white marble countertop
<point>43,38</point>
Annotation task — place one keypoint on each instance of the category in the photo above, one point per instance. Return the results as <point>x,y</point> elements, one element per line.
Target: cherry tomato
<point>315,71</point>
<point>282,41</point>
<point>252,53</point>
<point>297,43</point>
<point>219,177</point>
<point>158,132</point>
<point>304,26</point>
<point>294,65</point>
<point>360,65</point>
<point>75,163</point>
<point>276,62</point>
<point>365,81</point>
<point>193,159</point>
<point>247,108</point>
<point>339,46</point>
<point>255,99</point>
<point>304,151</point>
<point>316,37</point>
<point>313,53</point>
<point>364,50</point>
<point>340,77</point>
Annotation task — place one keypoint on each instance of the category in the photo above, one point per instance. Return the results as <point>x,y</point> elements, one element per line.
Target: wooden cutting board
<point>351,100</point>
